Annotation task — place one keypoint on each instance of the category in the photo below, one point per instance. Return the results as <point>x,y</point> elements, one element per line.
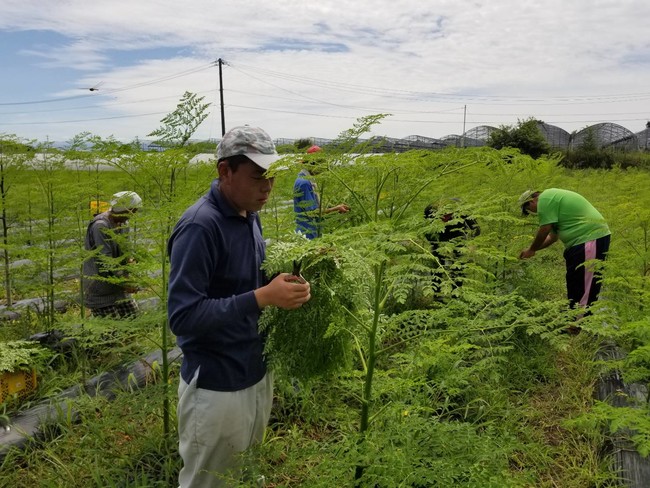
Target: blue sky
<point>310,69</point>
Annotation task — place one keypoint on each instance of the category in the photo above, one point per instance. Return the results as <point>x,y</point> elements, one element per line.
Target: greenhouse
<point>557,137</point>
<point>643,138</point>
<point>606,135</point>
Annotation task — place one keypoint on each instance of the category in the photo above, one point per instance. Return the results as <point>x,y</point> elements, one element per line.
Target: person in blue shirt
<point>217,290</point>
<point>306,202</point>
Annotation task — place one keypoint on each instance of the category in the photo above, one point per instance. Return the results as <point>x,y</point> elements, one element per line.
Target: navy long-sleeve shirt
<point>216,257</point>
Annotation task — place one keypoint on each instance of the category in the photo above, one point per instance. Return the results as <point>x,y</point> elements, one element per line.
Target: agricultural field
<point>403,370</point>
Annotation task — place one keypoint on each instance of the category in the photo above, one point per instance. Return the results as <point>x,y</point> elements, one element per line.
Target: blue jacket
<point>305,205</point>
<point>216,257</point>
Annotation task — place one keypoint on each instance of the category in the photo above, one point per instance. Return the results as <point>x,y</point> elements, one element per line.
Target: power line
<point>293,112</point>
<point>311,114</point>
<point>164,78</point>
<point>116,90</point>
<point>447,111</point>
<point>84,107</point>
<point>343,86</point>
<point>83,120</point>
<point>369,109</point>
<point>478,122</point>
<point>355,88</point>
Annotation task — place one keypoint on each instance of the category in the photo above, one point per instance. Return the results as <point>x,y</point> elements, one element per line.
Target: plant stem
<point>366,399</point>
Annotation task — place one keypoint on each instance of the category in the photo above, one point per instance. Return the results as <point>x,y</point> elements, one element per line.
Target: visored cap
<point>251,142</point>
<point>524,198</point>
<point>125,201</point>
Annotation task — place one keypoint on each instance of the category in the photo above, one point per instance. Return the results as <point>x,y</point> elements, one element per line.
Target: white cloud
<point>423,61</point>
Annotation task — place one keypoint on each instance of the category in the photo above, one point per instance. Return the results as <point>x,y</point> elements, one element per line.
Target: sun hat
<point>251,142</point>
<point>125,201</point>
<point>524,198</point>
<point>313,149</point>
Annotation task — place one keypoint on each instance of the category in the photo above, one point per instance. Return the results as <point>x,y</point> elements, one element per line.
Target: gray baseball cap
<point>251,142</point>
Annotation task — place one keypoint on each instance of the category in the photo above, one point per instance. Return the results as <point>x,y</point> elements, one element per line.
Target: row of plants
<point>382,379</point>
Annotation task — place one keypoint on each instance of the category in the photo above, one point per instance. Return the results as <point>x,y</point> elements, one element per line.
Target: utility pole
<point>223,116</point>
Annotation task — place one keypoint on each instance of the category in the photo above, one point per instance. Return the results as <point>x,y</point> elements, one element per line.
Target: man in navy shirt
<point>216,293</point>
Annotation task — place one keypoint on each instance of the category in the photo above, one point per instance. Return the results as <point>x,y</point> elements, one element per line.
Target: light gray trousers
<point>215,427</point>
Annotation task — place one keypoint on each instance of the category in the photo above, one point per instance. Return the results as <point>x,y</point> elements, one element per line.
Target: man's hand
<point>284,291</point>
<point>340,208</point>
<point>544,238</point>
<point>526,253</point>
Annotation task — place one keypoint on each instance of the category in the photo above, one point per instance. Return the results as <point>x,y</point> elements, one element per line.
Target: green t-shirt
<point>574,219</point>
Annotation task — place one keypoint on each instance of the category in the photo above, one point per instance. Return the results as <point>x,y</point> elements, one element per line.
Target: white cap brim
<point>264,161</point>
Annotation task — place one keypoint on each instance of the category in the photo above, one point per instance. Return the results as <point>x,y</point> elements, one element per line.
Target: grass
<point>114,443</point>
<point>567,457</point>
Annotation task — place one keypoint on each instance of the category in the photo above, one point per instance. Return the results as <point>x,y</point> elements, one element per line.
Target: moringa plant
<point>179,125</point>
<point>13,157</point>
<point>356,270</point>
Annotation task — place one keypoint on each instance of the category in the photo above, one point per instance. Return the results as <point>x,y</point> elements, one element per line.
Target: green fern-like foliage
<point>21,355</point>
<point>313,340</point>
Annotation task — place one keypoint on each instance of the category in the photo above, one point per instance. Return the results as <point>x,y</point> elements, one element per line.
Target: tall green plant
<point>13,157</point>
<point>165,197</point>
<point>179,125</point>
<point>384,255</point>
<point>55,204</point>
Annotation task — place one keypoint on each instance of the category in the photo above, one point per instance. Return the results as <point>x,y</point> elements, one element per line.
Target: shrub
<point>526,137</point>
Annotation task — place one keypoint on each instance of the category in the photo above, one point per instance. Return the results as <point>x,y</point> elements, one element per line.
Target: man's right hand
<point>283,291</point>
<point>526,253</point>
<point>340,208</point>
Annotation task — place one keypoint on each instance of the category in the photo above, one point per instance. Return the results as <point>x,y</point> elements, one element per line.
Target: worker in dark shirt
<point>458,228</point>
<point>217,290</point>
<point>106,283</point>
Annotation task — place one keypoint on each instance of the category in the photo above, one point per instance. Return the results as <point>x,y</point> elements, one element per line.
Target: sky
<point>302,69</point>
